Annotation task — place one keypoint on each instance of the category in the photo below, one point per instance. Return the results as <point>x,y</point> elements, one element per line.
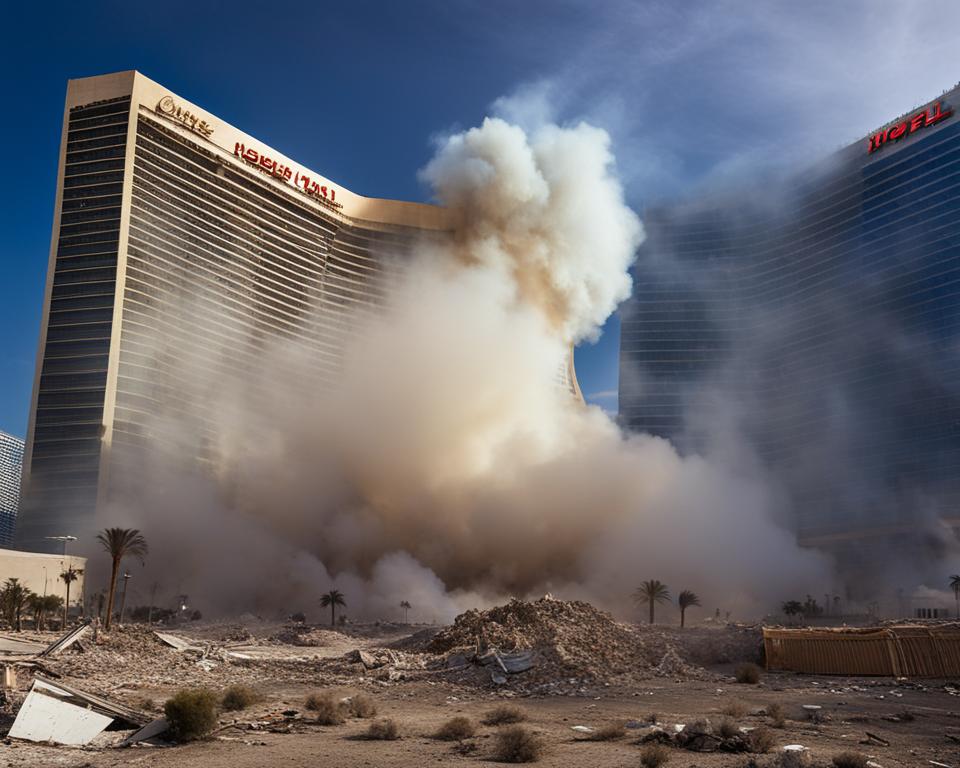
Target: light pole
<point>44,568</point>
<point>123,597</point>
<point>63,539</point>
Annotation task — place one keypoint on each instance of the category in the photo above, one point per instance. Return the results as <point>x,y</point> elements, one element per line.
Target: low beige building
<point>40,573</point>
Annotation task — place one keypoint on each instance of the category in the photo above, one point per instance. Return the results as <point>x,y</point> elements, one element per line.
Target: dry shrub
<point>907,716</point>
<point>328,710</point>
<point>654,755</point>
<point>238,697</point>
<point>777,715</point>
<point>609,732</point>
<point>362,706</point>
<point>735,709</point>
<point>192,713</point>
<point>850,759</point>
<point>747,673</point>
<point>761,740</point>
<point>456,729</point>
<point>728,729</point>
<point>517,744</point>
<point>383,730</point>
<point>505,714</point>
<point>147,704</point>
<point>653,718</point>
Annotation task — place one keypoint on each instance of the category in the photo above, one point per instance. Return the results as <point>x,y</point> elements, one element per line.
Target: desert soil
<point>262,736</point>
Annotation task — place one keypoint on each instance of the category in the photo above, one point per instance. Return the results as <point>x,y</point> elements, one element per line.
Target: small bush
<point>517,744</point>
<point>907,716</point>
<point>777,715</point>
<point>456,729</point>
<point>192,713</point>
<point>735,709</point>
<point>849,760</point>
<point>362,706</point>
<point>749,674</point>
<point>653,718</point>
<point>383,730</point>
<point>761,740</point>
<point>609,732</point>
<point>505,714</point>
<point>654,755</point>
<point>328,710</point>
<point>147,704</point>
<point>238,697</point>
<point>728,729</point>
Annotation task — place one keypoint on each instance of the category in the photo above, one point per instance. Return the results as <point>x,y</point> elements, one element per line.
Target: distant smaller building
<point>11,467</point>
<point>40,572</point>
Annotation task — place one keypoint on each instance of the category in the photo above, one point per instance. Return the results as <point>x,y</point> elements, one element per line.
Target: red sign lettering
<point>301,181</point>
<point>930,116</point>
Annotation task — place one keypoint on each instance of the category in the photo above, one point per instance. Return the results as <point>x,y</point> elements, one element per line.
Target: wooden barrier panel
<point>895,651</point>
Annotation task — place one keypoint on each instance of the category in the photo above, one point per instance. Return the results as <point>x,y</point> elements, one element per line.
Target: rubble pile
<point>305,636</point>
<point>574,643</point>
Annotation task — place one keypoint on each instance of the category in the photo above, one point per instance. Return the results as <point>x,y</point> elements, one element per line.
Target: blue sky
<point>692,93</point>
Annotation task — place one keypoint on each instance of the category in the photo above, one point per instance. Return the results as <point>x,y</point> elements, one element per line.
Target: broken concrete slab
<point>50,719</point>
<point>150,731</point>
<point>65,641</point>
<point>57,713</point>
<point>177,643</point>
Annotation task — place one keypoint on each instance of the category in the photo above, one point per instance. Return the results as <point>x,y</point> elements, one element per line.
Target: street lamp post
<point>123,597</point>
<point>63,539</point>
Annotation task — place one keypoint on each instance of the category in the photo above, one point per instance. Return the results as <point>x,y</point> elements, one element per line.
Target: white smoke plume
<point>448,467</point>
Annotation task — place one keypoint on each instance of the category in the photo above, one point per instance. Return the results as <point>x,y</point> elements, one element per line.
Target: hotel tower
<point>171,222</point>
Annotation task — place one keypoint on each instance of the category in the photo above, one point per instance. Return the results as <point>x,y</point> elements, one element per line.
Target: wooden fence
<point>896,651</point>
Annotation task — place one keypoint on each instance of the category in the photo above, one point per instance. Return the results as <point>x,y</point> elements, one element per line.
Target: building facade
<point>172,224</point>
<point>817,315</point>
<point>11,467</point>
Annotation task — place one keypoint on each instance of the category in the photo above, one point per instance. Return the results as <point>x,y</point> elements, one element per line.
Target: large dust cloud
<point>447,466</point>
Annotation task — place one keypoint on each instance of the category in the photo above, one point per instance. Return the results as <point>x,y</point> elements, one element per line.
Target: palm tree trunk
<point>66,608</point>
<point>651,611</point>
<point>333,607</point>
<point>682,612</point>
<point>115,571</point>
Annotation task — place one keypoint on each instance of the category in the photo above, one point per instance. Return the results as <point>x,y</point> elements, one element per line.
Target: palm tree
<point>955,586</point>
<point>120,542</point>
<point>406,607</point>
<point>68,577</point>
<point>650,593</point>
<point>41,606</point>
<point>333,598</point>
<point>685,600</point>
<point>15,598</point>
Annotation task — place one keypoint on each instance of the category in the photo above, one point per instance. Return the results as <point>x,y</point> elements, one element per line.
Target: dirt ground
<point>914,717</point>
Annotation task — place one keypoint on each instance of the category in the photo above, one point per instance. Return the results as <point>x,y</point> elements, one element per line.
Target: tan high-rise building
<point>169,221</point>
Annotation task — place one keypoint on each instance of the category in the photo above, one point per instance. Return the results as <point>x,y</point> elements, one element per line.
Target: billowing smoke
<point>448,466</point>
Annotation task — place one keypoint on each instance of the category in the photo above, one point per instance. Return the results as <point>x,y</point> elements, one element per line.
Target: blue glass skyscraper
<point>11,465</point>
<point>817,315</point>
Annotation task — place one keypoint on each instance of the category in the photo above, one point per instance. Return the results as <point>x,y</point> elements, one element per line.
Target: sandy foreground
<point>915,718</point>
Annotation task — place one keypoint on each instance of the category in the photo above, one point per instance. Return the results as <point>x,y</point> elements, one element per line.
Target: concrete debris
<point>362,657</point>
<point>562,646</point>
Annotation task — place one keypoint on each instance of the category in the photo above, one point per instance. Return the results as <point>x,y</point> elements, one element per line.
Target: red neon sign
<point>930,116</point>
<point>300,180</point>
